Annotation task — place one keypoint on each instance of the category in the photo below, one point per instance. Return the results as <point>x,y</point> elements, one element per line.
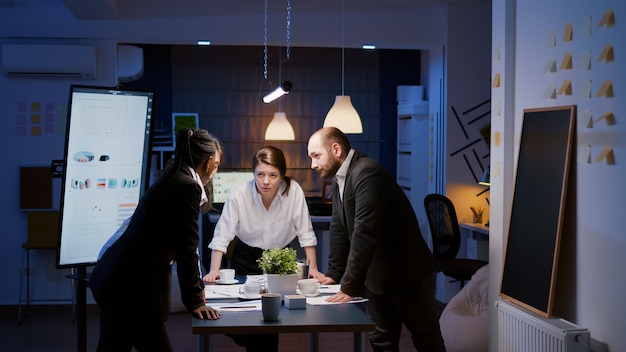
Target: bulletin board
<point>536,224</point>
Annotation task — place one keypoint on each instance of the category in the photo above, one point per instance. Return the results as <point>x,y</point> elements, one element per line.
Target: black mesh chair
<point>446,236</point>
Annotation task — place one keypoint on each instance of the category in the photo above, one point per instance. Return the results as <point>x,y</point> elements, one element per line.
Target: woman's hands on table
<point>211,276</point>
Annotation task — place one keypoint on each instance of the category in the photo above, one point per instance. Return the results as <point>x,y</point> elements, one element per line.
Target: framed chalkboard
<point>532,246</point>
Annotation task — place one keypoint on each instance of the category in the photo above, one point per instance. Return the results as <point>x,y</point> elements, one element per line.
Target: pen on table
<point>235,307</point>
<point>220,293</point>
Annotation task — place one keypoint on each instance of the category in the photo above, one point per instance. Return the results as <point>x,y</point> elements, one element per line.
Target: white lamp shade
<point>279,129</point>
<point>344,116</point>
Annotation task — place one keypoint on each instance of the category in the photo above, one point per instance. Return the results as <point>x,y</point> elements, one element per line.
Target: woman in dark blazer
<point>131,282</point>
<point>376,247</point>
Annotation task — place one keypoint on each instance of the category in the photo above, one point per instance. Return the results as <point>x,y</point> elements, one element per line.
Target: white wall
<point>28,150</point>
<point>589,287</point>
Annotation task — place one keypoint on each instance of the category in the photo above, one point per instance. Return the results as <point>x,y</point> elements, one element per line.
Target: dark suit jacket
<point>134,275</point>
<point>375,240</point>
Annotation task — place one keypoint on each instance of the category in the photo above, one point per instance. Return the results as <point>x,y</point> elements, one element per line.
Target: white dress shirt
<point>245,216</point>
<point>340,176</point>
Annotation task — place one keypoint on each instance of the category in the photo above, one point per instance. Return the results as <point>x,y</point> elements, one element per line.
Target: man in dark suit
<point>376,248</point>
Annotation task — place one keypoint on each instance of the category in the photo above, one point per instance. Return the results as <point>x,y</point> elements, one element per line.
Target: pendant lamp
<point>279,128</point>
<point>342,114</point>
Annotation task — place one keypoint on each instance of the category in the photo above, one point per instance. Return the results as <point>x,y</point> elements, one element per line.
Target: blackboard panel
<point>35,188</point>
<point>538,204</point>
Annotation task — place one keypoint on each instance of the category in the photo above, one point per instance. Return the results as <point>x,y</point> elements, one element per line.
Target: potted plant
<point>280,267</point>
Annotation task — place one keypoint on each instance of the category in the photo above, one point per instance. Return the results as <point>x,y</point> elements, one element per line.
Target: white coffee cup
<point>250,289</point>
<point>227,275</point>
<point>308,286</point>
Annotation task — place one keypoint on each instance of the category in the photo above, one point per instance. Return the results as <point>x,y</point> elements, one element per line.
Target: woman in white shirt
<point>265,213</point>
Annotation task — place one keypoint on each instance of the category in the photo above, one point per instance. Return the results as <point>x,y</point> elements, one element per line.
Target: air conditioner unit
<point>51,61</point>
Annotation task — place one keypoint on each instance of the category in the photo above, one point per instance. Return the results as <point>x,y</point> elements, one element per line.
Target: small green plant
<point>279,261</point>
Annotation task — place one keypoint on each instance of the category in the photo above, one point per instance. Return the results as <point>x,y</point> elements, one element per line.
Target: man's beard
<point>333,166</point>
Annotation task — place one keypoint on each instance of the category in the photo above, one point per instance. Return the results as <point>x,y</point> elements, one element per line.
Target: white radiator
<point>520,330</point>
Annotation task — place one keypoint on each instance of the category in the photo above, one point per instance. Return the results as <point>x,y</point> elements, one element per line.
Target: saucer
<point>249,297</point>
<point>314,294</point>
<point>221,282</point>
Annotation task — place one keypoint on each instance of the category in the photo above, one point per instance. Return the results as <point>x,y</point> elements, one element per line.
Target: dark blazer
<point>375,240</point>
<point>134,275</point>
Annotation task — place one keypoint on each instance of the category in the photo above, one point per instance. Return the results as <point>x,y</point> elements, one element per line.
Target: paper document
<point>221,291</point>
<point>330,289</point>
<point>321,300</point>
<point>236,307</point>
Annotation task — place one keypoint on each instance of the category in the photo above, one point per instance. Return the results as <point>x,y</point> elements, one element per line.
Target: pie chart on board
<point>83,157</point>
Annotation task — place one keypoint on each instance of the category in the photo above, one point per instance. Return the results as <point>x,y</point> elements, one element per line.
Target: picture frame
<point>181,120</point>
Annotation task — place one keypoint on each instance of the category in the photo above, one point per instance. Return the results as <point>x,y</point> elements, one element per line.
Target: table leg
<point>314,342</point>
<point>81,310</point>
<point>359,342</point>
<point>204,343</point>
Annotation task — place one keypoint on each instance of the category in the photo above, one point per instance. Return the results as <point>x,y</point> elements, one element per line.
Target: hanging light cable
<point>280,128</point>
<point>285,86</point>
<point>342,114</point>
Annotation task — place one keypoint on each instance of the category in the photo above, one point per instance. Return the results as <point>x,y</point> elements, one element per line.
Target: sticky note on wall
<point>607,155</point>
<point>567,33</point>
<point>496,80</point>
<point>607,20</point>
<point>606,54</point>
<point>566,63</point>
<point>566,88</point>
<point>606,89</point>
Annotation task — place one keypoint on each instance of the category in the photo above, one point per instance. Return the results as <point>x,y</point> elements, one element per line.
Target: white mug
<point>227,275</point>
<point>250,289</point>
<point>308,286</point>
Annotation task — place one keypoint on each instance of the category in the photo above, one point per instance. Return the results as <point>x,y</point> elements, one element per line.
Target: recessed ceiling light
<point>369,46</point>
<point>204,42</point>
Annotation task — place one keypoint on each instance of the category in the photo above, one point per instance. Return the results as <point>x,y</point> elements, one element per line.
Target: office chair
<point>446,236</point>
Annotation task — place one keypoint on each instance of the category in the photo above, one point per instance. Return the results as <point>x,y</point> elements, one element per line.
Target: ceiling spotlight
<point>278,92</point>
<point>368,46</point>
<point>204,42</point>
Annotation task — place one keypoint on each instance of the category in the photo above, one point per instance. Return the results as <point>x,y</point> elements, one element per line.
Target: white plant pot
<point>283,284</point>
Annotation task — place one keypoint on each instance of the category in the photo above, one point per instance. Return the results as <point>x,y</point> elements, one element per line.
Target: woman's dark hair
<point>272,156</point>
<point>193,148</point>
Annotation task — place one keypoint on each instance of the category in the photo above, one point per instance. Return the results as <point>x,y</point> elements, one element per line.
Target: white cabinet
<point>413,146</point>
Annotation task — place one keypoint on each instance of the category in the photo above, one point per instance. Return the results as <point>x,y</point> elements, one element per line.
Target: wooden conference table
<point>314,319</point>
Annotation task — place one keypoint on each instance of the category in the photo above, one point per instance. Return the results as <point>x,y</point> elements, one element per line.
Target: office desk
<point>477,243</point>
<point>475,228</point>
<point>313,319</point>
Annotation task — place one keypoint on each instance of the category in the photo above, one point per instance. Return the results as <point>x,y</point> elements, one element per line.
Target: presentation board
<point>106,167</point>
<point>536,224</point>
